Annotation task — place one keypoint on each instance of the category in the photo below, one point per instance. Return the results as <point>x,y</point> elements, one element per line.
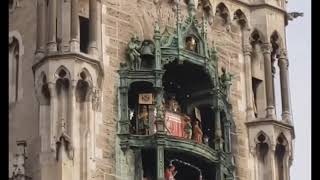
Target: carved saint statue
<point>174,105</point>
<point>143,118</point>
<point>191,43</point>
<point>170,172</point>
<point>188,128</point>
<point>64,143</point>
<point>197,132</point>
<point>225,81</point>
<point>133,51</point>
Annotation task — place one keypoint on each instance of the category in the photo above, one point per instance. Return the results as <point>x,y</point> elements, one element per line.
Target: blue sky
<point>299,51</point>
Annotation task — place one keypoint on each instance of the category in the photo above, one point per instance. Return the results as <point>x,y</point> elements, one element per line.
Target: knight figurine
<point>134,47</point>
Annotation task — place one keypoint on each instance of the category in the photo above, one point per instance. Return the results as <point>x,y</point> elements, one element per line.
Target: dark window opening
<point>256,83</point>
<point>280,153</point>
<point>208,125</point>
<point>149,164</point>
<point>84,34</point>
<point>263,148</point>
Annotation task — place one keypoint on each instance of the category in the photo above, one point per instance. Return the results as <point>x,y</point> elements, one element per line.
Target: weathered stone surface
<point>121,19</point>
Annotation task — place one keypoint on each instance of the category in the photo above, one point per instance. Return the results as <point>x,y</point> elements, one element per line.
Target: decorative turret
<point>68,75</point>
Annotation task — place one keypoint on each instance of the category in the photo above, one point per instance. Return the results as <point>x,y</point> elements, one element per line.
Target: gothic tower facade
<point>142,89</point>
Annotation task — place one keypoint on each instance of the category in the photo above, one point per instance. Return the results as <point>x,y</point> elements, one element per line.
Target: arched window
<point>263,155</point>
<point>223,12</point>
<point>280,156</point>
<point>15,54</point>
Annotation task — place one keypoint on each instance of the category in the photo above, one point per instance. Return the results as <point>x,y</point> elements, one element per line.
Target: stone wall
<point>23,114</point>
<point>121,19</point>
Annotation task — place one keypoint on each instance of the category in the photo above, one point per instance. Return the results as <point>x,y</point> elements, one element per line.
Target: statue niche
<point>191,44</point>
<point>140,54</point>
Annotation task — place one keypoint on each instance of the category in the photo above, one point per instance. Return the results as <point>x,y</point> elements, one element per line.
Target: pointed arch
<point>223,11</point>
<point>42,89</point>
<point>281,139</point>
<point>16,51</point>
<point>261,134</point>
<point>257,36</point>
<point>280,155</point>
<point>85,75</point>
<point>208,10</point>
<point>241,18</point>
<point>262,146</point>
<point>62,72</point>
<point>84,85</point>
<point>276,42</point>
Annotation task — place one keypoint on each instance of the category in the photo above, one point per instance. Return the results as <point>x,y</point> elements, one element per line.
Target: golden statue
<point>143,118</point>
<point>191,43</point>
<point>174,105</point>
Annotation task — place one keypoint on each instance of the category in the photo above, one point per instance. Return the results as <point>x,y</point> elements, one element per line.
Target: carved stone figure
<point>191,44</point>
<point>173,105</point>
<point>134,47</point>
<point>225,81</point>
<point>293,15</point>
<point>170,172</point>
<point>197,132</point>
<point>143,118</point>
<point>64,142</point>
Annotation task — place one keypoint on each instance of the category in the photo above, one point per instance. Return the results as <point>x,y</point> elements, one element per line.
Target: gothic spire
<point>191,8</point>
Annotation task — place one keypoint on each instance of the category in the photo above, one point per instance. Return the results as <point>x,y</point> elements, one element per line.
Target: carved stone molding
<point>247,49</point>
<point>266,48</point>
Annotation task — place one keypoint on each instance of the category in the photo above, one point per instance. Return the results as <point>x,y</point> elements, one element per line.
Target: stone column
<point>266,48</point>
<point>74,40</point>
<point>99,29</point>
<point>272,166</point>
<point>247,50</point>
<point>160,162</point>
<point>93,49</point>
<point>283,66</point>
<point>52,31</point>
<point>53,114</point>
<point>72,110</point>
<point>41,26</point>
<point>124,120</point>
<point>160,117</point>
<point>273,70</point>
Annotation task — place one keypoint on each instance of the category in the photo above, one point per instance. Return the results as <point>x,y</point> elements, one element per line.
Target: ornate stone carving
<point>266,48</point>
<point>292,15</point>
<point>64,141</point>
<point>96,100</point>
<point>134,47</point>
<point>225,81</point>
<point>247,49</point>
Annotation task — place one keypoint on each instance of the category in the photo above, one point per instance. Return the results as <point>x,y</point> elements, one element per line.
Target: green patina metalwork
<point>170,46</point>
